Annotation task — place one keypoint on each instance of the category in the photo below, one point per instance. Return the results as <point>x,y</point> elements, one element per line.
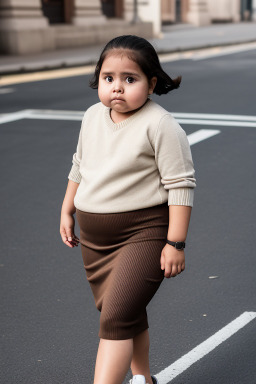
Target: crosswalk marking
<point>182,364</point>
<point>182,118</point>
<point>201,135</point>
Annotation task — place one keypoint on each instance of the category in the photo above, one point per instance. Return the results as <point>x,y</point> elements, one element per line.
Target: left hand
<point>172,261</point>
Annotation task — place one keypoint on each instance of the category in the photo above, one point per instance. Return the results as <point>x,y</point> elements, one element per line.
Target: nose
<point>118,87</point>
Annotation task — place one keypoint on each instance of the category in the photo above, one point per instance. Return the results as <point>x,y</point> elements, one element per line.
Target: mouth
<point>117,99</point>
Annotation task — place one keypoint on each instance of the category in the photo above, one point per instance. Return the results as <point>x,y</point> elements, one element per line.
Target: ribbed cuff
<point>181,196</point>
<point>75,175</point>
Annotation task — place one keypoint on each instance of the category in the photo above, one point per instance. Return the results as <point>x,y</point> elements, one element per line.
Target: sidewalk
<point>175,38</point>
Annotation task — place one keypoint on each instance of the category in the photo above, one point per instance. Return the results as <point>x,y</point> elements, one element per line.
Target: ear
<point>152,84</point>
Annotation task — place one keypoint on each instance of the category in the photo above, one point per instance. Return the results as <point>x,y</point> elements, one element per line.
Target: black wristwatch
<point>179,245</point>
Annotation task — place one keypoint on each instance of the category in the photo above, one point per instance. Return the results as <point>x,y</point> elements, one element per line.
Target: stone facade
<point>201,12</point>
<point>24,29</point>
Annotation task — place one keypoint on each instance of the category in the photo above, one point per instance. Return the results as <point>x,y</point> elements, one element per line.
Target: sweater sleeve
<point>174,161</point>
<point>74,173</point>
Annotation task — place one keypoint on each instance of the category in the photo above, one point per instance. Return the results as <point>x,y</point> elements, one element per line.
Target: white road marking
<point>182,118</point>
<point>48,114</point>
<point>217,122</point>
<point>41,114</point>
<point>4,91</point>
<point>182,364</point>
<point>14,116</point>
<point>198,54</point>
<point>223,51</point>
<point>214,116</point>
<point>193,138</point>
<point>201,135</point>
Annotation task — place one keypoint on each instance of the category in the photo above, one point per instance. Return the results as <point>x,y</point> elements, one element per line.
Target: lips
<point>117,99</point>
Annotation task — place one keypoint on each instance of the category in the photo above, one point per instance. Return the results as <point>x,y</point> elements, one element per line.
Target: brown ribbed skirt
<point>121,254</point>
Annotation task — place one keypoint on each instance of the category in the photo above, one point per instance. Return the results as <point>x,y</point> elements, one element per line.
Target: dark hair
<point>143,53</point>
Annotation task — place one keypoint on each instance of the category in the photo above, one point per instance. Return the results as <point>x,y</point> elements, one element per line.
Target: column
<point>87,12</point>
<point>168,10</point>
<point>236,10</point>
<point>23,28</point>
<point>198,13</point>
<point>224,10</point>
<point>149,11</point>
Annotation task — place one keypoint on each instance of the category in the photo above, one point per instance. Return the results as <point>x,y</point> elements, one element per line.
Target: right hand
<point>67,225</point>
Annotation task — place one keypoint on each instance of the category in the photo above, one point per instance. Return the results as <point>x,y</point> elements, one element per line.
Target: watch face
<point>179,245</point>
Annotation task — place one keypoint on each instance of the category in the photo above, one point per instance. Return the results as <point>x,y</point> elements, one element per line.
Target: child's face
<point>123,86</point>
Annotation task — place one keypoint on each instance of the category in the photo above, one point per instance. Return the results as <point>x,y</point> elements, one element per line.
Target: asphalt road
<point>49,324</point>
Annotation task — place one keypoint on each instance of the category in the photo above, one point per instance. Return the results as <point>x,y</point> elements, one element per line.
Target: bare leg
<point>113,361</point>
<point>140,358</point>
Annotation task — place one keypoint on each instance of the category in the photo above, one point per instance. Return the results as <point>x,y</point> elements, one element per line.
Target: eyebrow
<point>122,73</point>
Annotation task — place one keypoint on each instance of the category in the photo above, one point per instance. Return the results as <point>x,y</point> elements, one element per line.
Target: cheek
<point>102,92</point>
<point>139,95</point>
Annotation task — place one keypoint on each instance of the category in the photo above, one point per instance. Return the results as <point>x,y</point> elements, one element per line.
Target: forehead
<point>120,61</point>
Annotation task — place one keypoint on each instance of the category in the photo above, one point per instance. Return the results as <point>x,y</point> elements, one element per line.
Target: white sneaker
<point>138,379</point>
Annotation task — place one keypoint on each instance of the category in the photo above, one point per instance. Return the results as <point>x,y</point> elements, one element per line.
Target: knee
<point>119,323</point>
<point>113,321</point>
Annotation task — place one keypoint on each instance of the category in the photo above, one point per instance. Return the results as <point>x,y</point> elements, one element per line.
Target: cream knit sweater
<point>140,162</point>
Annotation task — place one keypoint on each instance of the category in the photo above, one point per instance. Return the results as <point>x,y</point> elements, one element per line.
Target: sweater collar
<point>126,122</point>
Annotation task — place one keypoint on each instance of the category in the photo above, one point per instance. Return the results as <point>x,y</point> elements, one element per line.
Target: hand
<point>172,261</point>
<point>67,225</point>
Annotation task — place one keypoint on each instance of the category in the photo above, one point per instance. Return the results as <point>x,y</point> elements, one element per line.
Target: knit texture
<point>140,162</point>
<point>121,254</point>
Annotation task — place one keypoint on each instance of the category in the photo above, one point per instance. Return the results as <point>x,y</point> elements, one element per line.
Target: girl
<point>131,185</point>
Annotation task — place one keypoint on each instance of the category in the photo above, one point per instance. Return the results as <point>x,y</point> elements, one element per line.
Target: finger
<point>179,268</point>
<point>162,261</point>
<point>70,245</point>
<point>168,271</point>
<point>73,239</point>
<point>183,266</point>
<point>70,233</point>
<point>174,271</point>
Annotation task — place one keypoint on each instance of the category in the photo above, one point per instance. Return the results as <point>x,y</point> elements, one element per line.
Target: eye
<point>109,79</point>
<point>130,80</point>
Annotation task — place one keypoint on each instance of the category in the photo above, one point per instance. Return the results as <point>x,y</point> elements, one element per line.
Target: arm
<point>172,260</point>
<point>175,164</point>
<point>68,202</point>
<point>67,221</point>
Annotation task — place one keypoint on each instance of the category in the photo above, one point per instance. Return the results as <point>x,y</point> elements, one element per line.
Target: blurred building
<point>28,26</point>
<point>254,10</point>
<point>204,12</point>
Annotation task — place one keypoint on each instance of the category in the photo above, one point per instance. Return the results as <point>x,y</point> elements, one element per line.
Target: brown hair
<point>143,53</point>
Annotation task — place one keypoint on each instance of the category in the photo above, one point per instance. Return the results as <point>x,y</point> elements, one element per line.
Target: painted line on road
<point>182,364</point>
<point>47,75</point>
<point>193,138</point>
<point>212,116</point>
<point>219,123</point>
<point>46,114</point>
<point>182,118</point>
<point>223,51</point>
<point>50,74</point>
<point>14,116</point>
<point>201,135</point>
<point>206,53</point>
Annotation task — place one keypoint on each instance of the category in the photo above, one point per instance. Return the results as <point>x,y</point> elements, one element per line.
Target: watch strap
<point>177,244</point>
